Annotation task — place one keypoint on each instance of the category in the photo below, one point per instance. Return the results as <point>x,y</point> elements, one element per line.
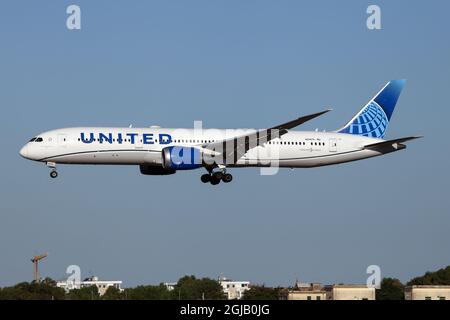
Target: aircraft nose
<point>24,151</point>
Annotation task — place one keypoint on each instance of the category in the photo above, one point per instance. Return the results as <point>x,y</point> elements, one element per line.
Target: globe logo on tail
<point>371,122</point>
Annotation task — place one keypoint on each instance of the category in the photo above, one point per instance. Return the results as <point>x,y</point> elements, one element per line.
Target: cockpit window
<point>33,139</point>
<point>38,139</point>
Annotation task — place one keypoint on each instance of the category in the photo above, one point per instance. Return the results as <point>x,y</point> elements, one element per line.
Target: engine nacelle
<point>155,171</point>
<point>181,158</point>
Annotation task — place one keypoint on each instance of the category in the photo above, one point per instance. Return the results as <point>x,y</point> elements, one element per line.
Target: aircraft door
<point>333,145</point>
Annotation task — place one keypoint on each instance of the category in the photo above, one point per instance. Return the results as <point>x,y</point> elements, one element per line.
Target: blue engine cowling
<point>181,158</point>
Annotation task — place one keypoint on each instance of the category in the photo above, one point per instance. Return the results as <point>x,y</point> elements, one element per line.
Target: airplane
<point>164,151</point>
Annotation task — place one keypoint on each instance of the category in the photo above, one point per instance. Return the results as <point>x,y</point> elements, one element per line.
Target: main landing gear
<point>215,177</point>
<point>53,173</point>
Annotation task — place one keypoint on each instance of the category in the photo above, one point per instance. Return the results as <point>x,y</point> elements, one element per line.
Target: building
<point>234,289</point>
<point>170,286</point>
<point>101,285</point>
<point>427,293</point>
<point>304,291</point>
<point>350,292</point>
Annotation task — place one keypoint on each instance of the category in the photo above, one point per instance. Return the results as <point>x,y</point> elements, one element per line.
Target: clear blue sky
<point>230,64</point>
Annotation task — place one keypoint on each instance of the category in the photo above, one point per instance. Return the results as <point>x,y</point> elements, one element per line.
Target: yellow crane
<point>35,261</point>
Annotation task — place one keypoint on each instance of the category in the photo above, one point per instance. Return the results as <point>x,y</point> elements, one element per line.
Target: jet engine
<point>181,158</point>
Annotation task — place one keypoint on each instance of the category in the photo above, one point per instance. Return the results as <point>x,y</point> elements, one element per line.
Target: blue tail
<point>373,119</point>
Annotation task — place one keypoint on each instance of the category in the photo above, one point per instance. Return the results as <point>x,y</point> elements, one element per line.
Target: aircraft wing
<point>234,148</point>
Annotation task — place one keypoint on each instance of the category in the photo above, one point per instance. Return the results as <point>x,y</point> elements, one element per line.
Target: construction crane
<point>35,261</point>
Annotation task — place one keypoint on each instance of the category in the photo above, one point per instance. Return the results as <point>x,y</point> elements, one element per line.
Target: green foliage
<point>262,293</point>
<point>112,293</point>
<point>440,277</point>
<point>391,289</point>
<point>44,290</point>
<point>190,287</point>
<point>147,293</point>
<point>86,293</point>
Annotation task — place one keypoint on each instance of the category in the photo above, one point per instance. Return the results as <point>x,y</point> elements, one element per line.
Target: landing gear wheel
<point>53,174</point>
<point>214,181</point>
<point>205,178</point>
<point>227,177</point>
<point>217,175</point>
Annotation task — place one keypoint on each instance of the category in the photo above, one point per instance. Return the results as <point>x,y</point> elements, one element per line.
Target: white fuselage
<point>143,146</point>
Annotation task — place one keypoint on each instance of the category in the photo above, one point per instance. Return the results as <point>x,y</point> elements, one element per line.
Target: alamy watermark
<point>73,21</point>
<point>74,279</point>
<point>373,21</point>
<point>374,280</point>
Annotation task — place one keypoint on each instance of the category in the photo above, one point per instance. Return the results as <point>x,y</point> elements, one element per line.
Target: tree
<point>85,293</point>
<point>112,293</point>
<point>191,288</point>
<point>159,292</point>
<point>391,289</point>
<point>262,293</point>
<point>440,277</point>
<point>44,290</point>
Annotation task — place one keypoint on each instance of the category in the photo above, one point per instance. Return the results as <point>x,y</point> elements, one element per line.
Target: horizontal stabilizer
<point>390,145</point>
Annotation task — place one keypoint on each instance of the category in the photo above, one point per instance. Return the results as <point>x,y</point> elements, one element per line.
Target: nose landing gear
<point>53,173</point>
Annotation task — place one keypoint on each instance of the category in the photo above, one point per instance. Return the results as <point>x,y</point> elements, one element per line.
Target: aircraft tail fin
<point>372,120</point>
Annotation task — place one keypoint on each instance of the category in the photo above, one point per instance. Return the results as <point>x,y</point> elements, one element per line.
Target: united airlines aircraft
<point>159,151</point>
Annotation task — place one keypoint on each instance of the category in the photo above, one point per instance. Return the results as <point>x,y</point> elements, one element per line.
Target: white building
<point>427,293</point>
<point>101,285</point>
<point>350,292</point>
<point>170,285</point>
<point>234,289</point>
